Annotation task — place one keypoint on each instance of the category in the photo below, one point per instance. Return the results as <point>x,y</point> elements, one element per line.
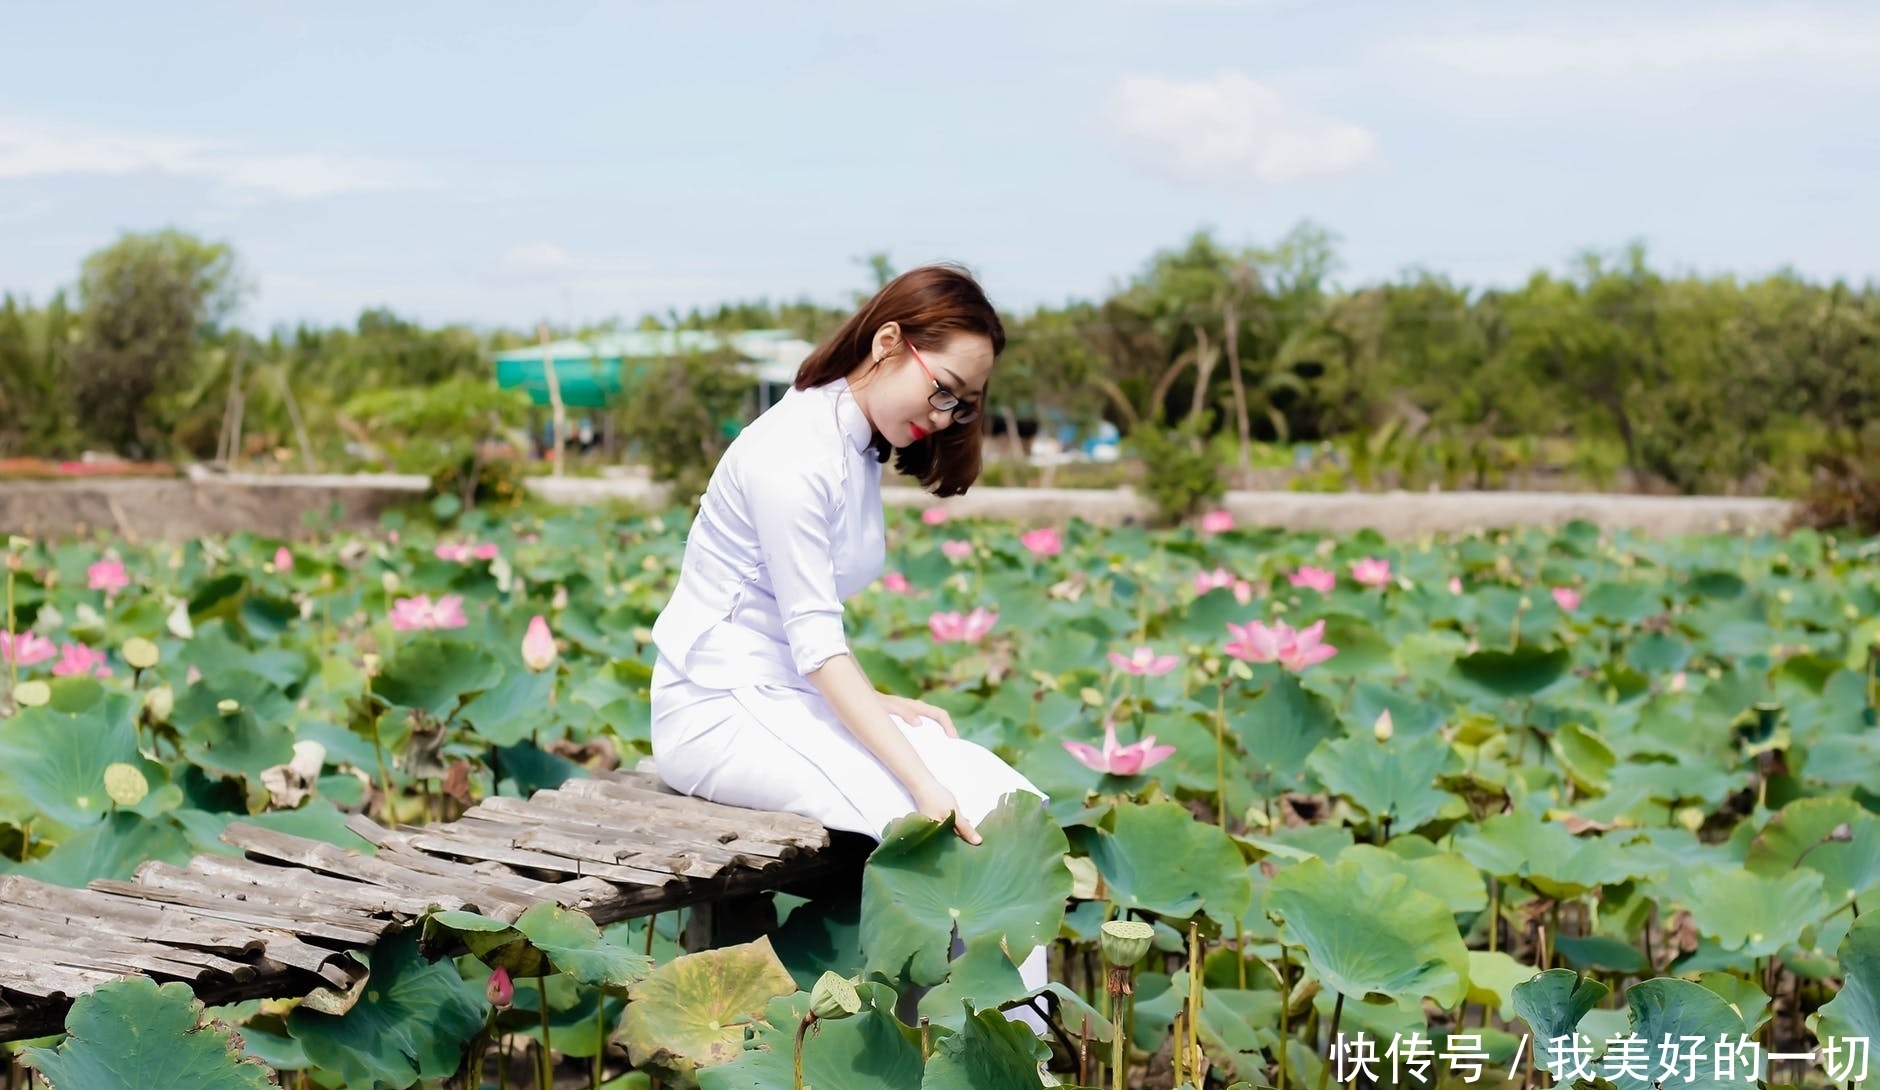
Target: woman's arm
<point>842,682</point>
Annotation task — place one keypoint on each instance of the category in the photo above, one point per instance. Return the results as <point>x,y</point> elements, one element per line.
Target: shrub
<point>1180,472</point>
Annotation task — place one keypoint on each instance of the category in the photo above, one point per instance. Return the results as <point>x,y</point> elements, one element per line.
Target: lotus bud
<point>499,990</point>
<point>158,703</point>
<point>1125,942</point>
<point>538,645</point>
<point>1383,729</point>
<point>833,997</point>
<point>1841,834</point>
<point>389,580</point>
<point>228,707</point>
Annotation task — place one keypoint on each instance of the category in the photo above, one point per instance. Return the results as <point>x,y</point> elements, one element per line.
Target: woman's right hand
<point>935,802</point>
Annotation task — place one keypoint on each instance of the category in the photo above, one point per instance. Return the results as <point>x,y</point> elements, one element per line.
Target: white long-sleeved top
<point>790,525</point>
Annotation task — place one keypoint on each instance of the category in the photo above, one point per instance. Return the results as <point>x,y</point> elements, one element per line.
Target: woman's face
<point>898,395</point>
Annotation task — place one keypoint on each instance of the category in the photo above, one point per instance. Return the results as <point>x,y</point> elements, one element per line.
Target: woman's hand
<point>935,802</point>
<point>913,710</point>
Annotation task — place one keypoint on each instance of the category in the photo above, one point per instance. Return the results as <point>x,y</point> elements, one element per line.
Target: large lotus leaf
<point>1621,603</point>
<point>1493,977</point>
<point>1584,756</point>
<point>1669,1009</point>
<point>1559,865</point>
<point>1393,782</point>
<point>410,1024</point>
<point>1552,1005</point>
<point>924,884</point>
<point>1755,915</point>
<point>243,741</point>
<point>1158,858</point>
<point>870,1051</point>
<point>57,758</point>
<point>1844,760</point>
<point>436,675</point>
<point>1835,836</point>
<point>1520,674</point>
<point>1368,933</point>
<point>492,942</point>
<point>690,1013</point>
<point>1443,875</point>
<point>1855,1010</point>
<point>515,709</point>
<point>132,1034</point>
<point>1232,1021</point>
<point>1280,728</point>
<point>982,977</point>
<point>113,848</point>
<point>823,935</point>
<point>990,1053</point>
<point>1746,997</point>
<point>575,946</point>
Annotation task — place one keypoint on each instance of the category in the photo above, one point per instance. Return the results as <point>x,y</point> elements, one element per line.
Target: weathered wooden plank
<point>387,872</point>
<point>31,926</point>
<point>30,975</point>
<point>581,816</point>
<point>449,841</point>
<point>278,885</point>
<point>568,894</point>
<point>101,957</point>
<point>759,823</point>
<point>209,899</point>
<point>130,917</point>
<point>677,864</point>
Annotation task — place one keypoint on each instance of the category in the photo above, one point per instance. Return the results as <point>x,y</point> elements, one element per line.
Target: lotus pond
<point>1530,806</point>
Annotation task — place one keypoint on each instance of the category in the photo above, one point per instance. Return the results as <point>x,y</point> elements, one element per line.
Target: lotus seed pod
<point>833,997</point>
<point>140,653</point>
<point>125,783</point>
<point>1125,942</point>
<point>228,707</point>
<point>159,702</point>
<point>33,694</point>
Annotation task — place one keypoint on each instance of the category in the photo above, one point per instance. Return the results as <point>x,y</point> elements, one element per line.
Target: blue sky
<point>496,165</point>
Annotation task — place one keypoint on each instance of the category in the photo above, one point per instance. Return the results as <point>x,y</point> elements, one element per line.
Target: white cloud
<point>30,150</point>
<point>1230,131</point>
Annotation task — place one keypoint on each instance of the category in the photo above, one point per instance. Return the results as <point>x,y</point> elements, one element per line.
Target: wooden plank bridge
<point>281,920</point>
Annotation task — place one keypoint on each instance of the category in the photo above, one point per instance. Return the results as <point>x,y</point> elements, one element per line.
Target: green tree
<point>682,416</point>
<point>148,303</point>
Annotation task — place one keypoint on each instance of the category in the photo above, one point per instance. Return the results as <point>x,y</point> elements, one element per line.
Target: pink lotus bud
<point>538,646</point>
<point>499,990</point>
<point>283,560</point>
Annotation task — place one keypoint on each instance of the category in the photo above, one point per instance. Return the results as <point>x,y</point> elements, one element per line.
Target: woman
<point>757,701</point>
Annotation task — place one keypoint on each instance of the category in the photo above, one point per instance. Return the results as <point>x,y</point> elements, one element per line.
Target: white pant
<point>784,750</point>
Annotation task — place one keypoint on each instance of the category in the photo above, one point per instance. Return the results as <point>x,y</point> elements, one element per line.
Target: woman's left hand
<point>913,710</point>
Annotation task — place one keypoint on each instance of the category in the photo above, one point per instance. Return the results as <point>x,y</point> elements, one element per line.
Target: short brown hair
<point>931,304</point>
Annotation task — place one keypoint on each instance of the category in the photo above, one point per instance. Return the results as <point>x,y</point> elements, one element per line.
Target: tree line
<point>1678,381</point>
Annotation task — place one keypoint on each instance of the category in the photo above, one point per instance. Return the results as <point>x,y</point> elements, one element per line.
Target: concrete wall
<point>276,506</point>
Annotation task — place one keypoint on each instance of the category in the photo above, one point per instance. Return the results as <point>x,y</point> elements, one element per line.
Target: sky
<point>503,164</point>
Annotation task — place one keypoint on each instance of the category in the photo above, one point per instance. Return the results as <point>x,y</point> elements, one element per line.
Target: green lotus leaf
<point>1493,977</point>
<point>982,977</point>
<point>57,758</point>
<point>1443,875</point>
<point>823,935</point>
<point>1232,1022</point>
<point>1855,1009</point>
<point>1281,727</point>
<point>1585,757</point>
<point>690,1013</point>
<point>575,946</point>
<point>1393,782</point>
<point>1836,836</point>
<point>1599,952</point>
<point>870,1051</point>
<point>1552,1004</point>
<point>515,709</point>
<point>1670,1009</point>
<point>1621,603</point>
<point>1560,866</point>
<point>1520,674</point>
<point>923,885</point>
<point>1755,915</point>
<point>113,848</point>
<point>132,1034</point>
<point>1158,858</point>
<point>410,1023</point>
<point>257,735</point>
<point>1844,760</point>
<point>991,1052</point>
<point>1744,996</point>
<point>1370,934</point>
<point>436,675</point>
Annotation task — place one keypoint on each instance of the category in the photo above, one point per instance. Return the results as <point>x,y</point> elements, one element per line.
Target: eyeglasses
<point>964,412</point>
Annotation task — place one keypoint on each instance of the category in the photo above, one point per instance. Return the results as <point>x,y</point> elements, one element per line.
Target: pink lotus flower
<point>1042,542</point>
<point>538,645</point>
<point>465,552</point>
<point>1217,522</point>
<point>1221,577</point>
<point>1567,598</point>
<point>283,560</point>
<point>108,576</point>
<point>77,660</point>
<point>1455,584</point>
<point>1118,760</point>
<point>1144,661</point>
<point>957,550</point>
<point>1371,571</point>
<point>26,649</point>
<point>934,516</point>
<point>413,614</point>
<point>500,991</point>
<point>1294,650</point>
<point>1318,579</point>
<point>957,628</point>
<point>896,583</point>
